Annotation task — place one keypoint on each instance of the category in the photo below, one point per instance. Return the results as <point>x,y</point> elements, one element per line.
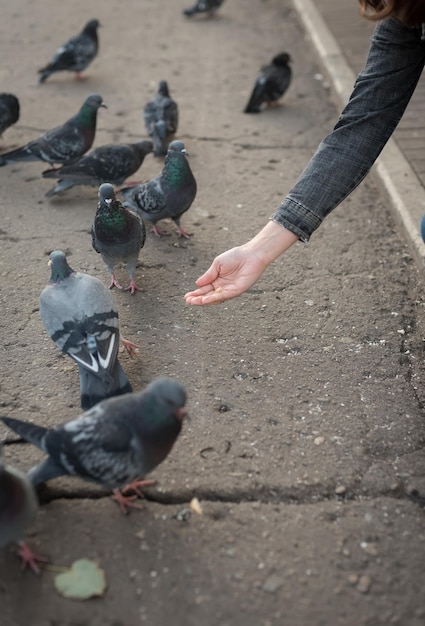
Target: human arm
<point>236,270</point>
<point>380,96</point>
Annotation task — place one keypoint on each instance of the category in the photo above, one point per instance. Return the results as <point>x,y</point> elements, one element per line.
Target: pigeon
<point>117,234</point>
<point>76,54</point>
<point>63,144</point>
<point>161,116</point>
<point>18,506</point>
<point>203,6</point>
<point>9,111</point>
<point>272,82</point>
<point>79,314</point>
<point>111,163</point>
<point>168,195</point>
<point>114,444</point>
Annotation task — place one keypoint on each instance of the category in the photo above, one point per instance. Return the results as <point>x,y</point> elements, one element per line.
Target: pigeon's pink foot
<point>29,558</point>
<point>125,502</point>
<point>274,104</point>
<point>182,233</point>
<point>114,283</point>
<point>158,232</point>
<point>132,288</point>
<point>80,76</point>
<point>130,347</point>
<point>136,485</point>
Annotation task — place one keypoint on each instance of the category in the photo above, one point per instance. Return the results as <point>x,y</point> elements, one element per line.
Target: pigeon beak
<point>103,105</point>
<point>49,263</point>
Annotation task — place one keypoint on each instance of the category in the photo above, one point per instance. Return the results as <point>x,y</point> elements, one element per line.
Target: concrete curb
<point>392,172</point>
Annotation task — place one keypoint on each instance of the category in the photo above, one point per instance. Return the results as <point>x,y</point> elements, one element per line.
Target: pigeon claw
<point>182,233</point>
<point>132,288</point>
<point>114,283</point>
<point>29,558</point>
<point>130,347</point>
<point>158,232</point>
<point>270,104</point>
<point>125,502</point>
<point>136,485</point>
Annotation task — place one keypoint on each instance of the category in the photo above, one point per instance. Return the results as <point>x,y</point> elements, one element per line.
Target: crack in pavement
<point>264,495</point>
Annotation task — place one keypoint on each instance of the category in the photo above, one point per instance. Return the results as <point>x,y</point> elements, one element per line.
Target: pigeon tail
<point>255,101</point>
<point>250,109</point>
<point>94,389</point>
<point>44,75</point>
<point>62,185</point>
<point>44,471</point>
<point>159,138</point>
<point>30,432</point>
<point>191,11</point>
<point>20,154</point>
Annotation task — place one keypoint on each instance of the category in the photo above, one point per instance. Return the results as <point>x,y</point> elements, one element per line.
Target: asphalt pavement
<point>304,452</point>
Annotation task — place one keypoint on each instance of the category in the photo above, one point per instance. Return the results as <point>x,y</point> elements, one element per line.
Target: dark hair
<point>410,12</point>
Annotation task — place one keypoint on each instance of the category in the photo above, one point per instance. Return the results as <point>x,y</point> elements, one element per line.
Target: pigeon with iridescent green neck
<point>63,144</point>
<point>117,234</point>
<point>80,315</point>
<point>168,195</point>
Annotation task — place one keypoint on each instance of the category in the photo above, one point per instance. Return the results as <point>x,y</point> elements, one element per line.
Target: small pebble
<point>364,584</point>
<point>272,584</point>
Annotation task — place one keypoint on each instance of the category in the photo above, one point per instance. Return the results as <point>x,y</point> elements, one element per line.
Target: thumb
<point>209,276</point>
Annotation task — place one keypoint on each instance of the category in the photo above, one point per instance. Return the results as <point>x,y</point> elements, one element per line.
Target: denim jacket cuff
<point>296,218</point>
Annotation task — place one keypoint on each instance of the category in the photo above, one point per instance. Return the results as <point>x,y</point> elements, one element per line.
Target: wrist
<point>272,241</point>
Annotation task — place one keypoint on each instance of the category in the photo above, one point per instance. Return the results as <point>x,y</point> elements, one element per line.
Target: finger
<point>213,297</point>
<point>200,300</point>
<point>201,291</point>
<point>208,277</point>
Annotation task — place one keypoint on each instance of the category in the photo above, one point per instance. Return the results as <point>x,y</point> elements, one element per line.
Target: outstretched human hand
<point>235,271</point>
<point>230,274</point>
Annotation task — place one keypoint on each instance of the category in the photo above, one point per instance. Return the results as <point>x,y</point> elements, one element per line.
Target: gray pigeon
<point>168,195</point>
<point>18,506</point>
<point>9,111</point>
<point>161,117</point>
<point>203,6</point>
<point>112,163</point>
<point>76,54</point>
<point>117,234</point>
<point>65,143</point>
<point>79,314</point>
<point>116,443</point>
<point>271,83</point>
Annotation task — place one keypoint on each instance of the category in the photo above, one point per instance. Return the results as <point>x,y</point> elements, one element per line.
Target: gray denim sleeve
<point>380,96</point>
